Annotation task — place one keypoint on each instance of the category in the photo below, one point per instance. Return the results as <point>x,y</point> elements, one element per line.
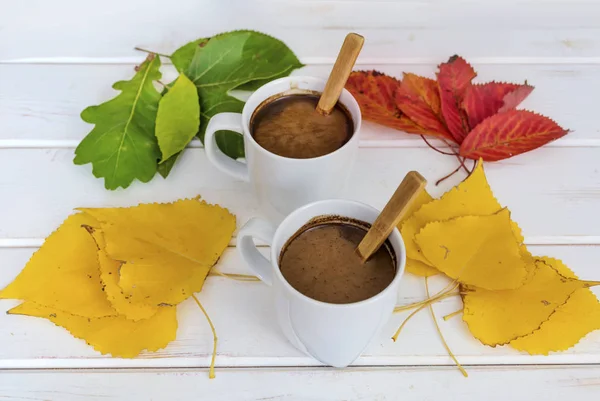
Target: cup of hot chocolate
<point>329,304</point>
<point>294,155</point>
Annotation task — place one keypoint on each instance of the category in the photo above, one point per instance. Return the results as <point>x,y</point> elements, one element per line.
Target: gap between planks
<point>321,60</point>
<point>234,362</point>
<point>352,368</point>
<point>365,143</point>
<point>562,240</point>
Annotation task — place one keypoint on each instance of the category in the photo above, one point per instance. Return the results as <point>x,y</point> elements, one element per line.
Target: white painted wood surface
<point>63,30</point>
<point>57,57</point>
<point>553,383</point>
<point>551,179</point>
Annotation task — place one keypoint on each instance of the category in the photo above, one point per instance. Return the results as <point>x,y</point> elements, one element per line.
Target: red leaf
<point>484,100</point>
<point>453,79</point>
<point>375,92</point>
<point>419,99</point>
<point>508,134</point>
<point>514,98</point>
<point>424,88</point>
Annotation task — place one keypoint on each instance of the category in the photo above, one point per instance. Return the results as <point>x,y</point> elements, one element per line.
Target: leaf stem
<point>163,84</point>
<point>444,178</point>
<point>473,167</point>
<point>453,153</point>
<point>461,161</point>
<point>233,276</point>
<point>451,315</point>
<point>444,293</point>
<point>437,298</point>
<point>437,327</point>
<point>211,372</point>
<point>397,333</point>
<point>151,52</point>
<point>436,149</point>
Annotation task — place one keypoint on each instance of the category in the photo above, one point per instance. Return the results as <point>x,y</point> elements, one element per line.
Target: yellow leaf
<point>558,265</point>
<point>167,249</point>
<point>472,197</point>
<point>158,276</point>
<point>184,227</point>
<point>109,274</point>
<point>420,269</point>
<point>63,273</point>
<point>498,317</point>
<point>421,199</point>
<point>570,322</point>
<point>161,252</point>
<point>414,266</point>
<point>476,250</point>
<point>113,335</point>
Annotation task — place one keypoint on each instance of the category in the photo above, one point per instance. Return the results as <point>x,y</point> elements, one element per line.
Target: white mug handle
<point>263,230</point>
<point>230,122</point>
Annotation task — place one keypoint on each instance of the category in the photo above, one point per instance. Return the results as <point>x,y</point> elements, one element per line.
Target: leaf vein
<point>132,112</point>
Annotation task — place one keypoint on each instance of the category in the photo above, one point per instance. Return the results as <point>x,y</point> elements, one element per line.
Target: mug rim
<point>250,138</point>
<point>400,262</point>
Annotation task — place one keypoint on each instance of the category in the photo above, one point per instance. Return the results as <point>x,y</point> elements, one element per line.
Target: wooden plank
<point>249,335</point>
<point>40,104</point>
<point>296,384</point>
<point>551,191</point>
<point>423,29</point>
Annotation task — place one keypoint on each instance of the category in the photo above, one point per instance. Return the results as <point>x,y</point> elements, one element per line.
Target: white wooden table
<point>56,57</point>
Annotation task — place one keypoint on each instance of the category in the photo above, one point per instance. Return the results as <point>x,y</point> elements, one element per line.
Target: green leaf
<point>178,117</point>
<point>233,59</point>
<point>231,143</point>
<point>182,57</point>
<point>122,145</point>
<point>165,167</point>
<point>254,85</point>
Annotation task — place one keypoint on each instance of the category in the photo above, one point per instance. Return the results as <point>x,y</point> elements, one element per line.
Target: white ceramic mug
<point>281,183</point>
<point>334,334</point>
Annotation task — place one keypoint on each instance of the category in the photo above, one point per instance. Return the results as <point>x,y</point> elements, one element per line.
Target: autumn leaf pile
<point>143,131</point>
<point>533,303</point>
<point>113,276</point>
<point>481,120</point>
